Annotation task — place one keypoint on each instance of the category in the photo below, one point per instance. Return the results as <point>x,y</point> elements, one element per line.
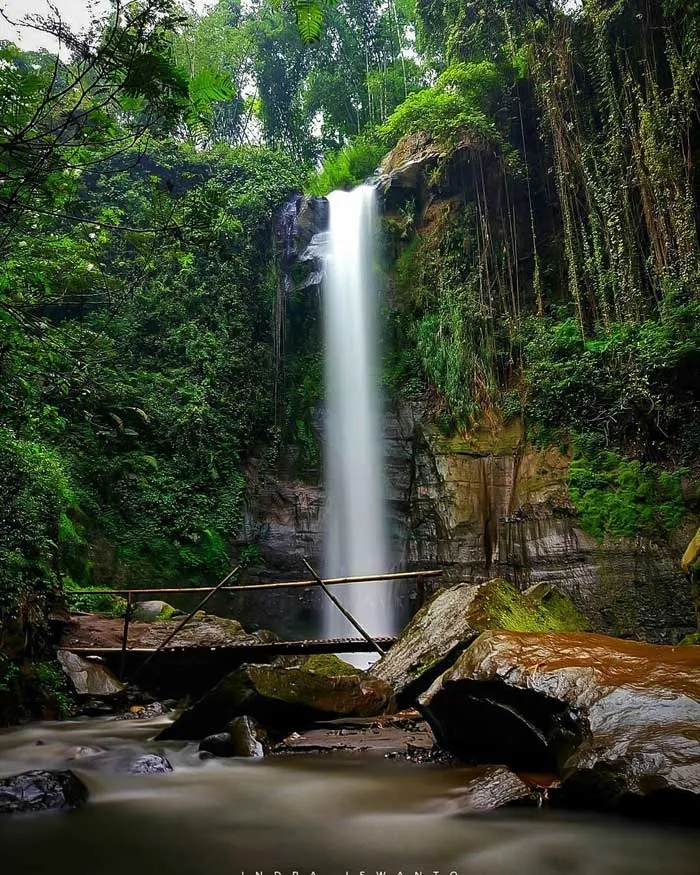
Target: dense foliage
<point>550,269</point>
<point>545,265</point>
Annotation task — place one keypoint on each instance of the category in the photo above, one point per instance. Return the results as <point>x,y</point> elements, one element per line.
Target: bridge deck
<point>247,649</point>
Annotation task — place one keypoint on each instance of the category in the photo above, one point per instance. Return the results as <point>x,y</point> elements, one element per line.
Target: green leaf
<point>310,19</point>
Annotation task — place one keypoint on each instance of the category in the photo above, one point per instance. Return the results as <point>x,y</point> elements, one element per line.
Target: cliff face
<point>485,503</point>
<point>495,506</point>
<point>488,506</point>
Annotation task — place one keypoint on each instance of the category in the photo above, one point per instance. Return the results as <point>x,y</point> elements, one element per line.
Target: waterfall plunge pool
<point>298,814</point>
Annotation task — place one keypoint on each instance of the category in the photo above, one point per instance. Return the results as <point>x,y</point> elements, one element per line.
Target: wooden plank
<point>330,645</point>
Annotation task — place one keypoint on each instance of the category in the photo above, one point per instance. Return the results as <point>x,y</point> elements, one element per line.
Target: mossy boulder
<point>152,611</point>
<point>284,696</point>
<point>449,623</point>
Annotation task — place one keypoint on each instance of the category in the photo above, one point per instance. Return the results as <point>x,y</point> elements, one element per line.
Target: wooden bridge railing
<point>223,586</point>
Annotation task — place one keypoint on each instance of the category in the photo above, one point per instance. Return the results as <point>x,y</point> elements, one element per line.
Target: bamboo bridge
<point>173,658</point>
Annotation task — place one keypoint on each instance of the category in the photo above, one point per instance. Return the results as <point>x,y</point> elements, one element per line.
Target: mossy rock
<point>692,640</point>
<point>438,633</point>
<point>153,611</point>
<point>284,696</point>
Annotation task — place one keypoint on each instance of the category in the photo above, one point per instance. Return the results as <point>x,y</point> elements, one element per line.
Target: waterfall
<point>356,541</point>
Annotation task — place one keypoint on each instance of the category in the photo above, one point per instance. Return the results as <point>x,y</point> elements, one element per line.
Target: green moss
<point>328,664</point>
<point>541,609</point>
<point>166,613</point>
<point>691,640</point>
<point>622,498</point>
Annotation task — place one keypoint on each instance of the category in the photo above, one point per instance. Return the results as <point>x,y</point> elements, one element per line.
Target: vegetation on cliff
<point>543,264</point>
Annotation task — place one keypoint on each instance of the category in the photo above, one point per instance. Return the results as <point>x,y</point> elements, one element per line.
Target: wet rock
<point>439,632</point>
<point>244,738</point>
<point>487,788</point>
<point>218,745</point>
<point>146,764</point>
<point>89,677</point>
<point>390,737</point>
<point>284,697</point>
<point>145,712</point>
<point>152,610</point>
<point>82,752</point>
<point>248,739</point>
<point>41,791</point>
<point>619,720</point>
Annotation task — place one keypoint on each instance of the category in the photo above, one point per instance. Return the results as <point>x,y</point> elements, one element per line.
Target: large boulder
<point>41,791</point>
<point>89,677</point>
<point>283,697</point>
<point>152,610</point>
<point>619,720</point>
<point>454,618</point>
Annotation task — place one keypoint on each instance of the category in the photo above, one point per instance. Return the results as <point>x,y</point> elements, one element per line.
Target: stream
<point>296,814</point>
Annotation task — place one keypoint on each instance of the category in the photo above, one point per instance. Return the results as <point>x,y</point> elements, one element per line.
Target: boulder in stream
<point>454,618</point>
<point>244,738</point>
<point>486,788</point>
<point>41,791</point>
<point>619,720</point>
<point>88,676</point>
<point>284,696</point>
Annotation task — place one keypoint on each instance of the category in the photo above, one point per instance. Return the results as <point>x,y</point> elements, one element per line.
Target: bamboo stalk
<point>292,584</point>
<point>348,616</point>
<point>187,619</point>
<point>125,635</point>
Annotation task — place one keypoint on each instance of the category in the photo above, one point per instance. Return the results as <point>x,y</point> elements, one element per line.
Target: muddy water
<point>295,815</point>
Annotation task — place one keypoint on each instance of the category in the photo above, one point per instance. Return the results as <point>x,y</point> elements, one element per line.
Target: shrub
<point>347,168</point>
<point>457,106</point>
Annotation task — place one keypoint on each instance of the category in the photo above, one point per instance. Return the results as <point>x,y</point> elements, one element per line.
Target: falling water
<point>356,541</point>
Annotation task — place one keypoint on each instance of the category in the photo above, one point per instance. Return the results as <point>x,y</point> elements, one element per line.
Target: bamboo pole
<point>187,619</point>
<point>125,634</point>
<point>348,616</point>
<point>247,587</point>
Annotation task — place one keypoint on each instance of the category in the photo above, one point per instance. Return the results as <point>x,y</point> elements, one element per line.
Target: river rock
<point>41,791</point>
<point>486,788</point>
<point>152,610</point>
<point>284,697</point>
<point>89,677</point>
<point>248,738</point>
<point>146,764</point>
<point>619,720</point>
<point>442,629</point>
<point>244,738</point>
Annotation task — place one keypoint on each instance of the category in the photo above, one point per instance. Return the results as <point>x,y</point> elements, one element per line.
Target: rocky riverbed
<point>467,715</point>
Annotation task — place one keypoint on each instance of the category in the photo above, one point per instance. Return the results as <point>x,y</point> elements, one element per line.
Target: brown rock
<point>447,625</point>
<point>619,719</point>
